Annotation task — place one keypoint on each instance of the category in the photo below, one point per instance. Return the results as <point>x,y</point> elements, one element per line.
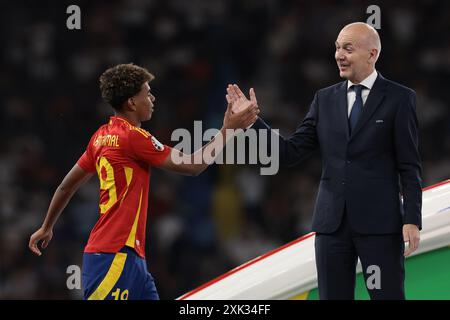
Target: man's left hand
<point>411,235</point>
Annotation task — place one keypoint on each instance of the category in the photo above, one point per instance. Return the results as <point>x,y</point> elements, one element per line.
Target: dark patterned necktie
<point>357,107</point>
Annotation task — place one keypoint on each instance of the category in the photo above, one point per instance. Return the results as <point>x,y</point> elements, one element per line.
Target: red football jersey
<point>122,155</point>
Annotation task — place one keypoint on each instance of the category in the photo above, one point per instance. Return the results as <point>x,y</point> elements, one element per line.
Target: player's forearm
<point>197,162</point>
<point>72,181</point>
<point>59,201</point>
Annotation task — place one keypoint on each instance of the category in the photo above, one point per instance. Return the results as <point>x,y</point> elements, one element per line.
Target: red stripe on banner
<point>436,185</point>
<point>246,265</point>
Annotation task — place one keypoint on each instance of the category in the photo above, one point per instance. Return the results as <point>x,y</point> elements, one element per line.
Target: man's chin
<point>344,74</point>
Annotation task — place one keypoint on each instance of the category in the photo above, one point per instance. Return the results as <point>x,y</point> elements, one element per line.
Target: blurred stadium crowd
<point>198,227</point>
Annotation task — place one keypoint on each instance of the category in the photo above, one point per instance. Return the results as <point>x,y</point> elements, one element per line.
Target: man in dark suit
<point>366,129</point>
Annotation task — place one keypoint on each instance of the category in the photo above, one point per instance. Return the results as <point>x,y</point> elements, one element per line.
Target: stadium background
<point>201,227</point>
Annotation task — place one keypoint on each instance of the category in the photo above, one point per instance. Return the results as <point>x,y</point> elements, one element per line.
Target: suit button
<point>343,182</point>
<point>348,162</point>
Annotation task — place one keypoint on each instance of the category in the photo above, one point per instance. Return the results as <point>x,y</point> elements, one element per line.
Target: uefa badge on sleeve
<point>158,145</point>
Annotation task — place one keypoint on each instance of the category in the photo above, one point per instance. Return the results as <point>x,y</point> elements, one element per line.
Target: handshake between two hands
<point>241,112</point>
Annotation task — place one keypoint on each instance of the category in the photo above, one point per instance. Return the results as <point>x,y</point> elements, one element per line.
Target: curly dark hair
<point>121,82</point>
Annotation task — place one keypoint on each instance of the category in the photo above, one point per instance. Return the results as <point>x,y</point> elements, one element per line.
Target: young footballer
<point>123,156</point>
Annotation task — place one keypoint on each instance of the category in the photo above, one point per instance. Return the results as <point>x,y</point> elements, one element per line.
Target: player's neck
<point>130,118</point>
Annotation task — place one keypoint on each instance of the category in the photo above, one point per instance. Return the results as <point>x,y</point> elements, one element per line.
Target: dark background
<point>198,228</point>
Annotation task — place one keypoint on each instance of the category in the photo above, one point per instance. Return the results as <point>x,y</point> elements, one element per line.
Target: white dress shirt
<point>367,83</point>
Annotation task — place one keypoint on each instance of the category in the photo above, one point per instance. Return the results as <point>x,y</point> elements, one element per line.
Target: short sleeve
<point>86,161</point>
<point>147,148</point>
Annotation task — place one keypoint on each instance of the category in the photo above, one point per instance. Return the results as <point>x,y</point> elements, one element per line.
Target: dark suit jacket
<point>367,171</point>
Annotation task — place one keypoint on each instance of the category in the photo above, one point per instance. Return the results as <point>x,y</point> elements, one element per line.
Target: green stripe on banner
<point>428,275</point>
<point>427,278</point>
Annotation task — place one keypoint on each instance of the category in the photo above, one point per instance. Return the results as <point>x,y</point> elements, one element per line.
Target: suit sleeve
<point>408,160</point>
<point>147,148</point>
<point>301,144</point>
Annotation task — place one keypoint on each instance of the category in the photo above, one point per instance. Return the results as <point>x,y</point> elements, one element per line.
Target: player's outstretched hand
<point>242,119</point>
<point>41,235</point>
<point>234,94</point>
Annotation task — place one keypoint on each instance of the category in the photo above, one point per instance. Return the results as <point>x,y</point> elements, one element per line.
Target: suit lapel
<point>374,99</point>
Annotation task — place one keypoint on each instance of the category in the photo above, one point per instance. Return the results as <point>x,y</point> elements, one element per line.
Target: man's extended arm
<point>298,146</point>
